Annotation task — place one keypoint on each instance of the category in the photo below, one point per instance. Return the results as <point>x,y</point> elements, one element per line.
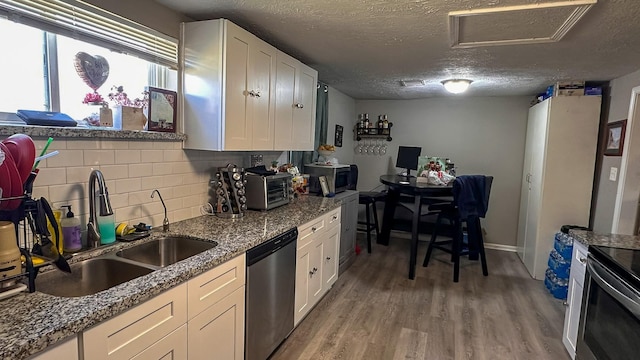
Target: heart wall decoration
<point>93,70</point>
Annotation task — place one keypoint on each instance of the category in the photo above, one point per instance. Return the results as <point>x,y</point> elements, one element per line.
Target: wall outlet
<point>613,174</point>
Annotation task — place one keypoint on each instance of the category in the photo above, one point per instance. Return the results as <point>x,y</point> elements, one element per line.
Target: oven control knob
<point>241,192</point>
<point>243,207</point>
<point>242,199</point>
<point>225,208</point>
<point>236,176</point>
<point>239,184</point>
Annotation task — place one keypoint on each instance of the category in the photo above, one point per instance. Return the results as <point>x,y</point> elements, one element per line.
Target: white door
<point>538,145</point>
<point>330,255</point>
<point>304,114</point>
<point>218,331</point>
<point>261,94</point>
<point>526,186</point>
<point>286,70</point>
<point>237,122</point>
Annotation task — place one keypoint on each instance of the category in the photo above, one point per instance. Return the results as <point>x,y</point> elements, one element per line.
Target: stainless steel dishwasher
<point>270,295</point>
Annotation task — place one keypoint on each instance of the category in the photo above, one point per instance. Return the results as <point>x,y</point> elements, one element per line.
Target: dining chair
<point>368,199</point>
<point>470,204</point>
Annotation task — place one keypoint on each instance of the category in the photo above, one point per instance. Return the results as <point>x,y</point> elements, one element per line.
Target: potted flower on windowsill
<point>103,116</point>
<point>128,114</point>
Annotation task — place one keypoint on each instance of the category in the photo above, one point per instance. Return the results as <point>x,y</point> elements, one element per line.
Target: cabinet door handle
<point>313,229</point>
<point>312,272</point>
<point>582,260</point>
<point>299,105</point>
<point>256,94</point>
<point>328,258</point>
<point>335,217</point>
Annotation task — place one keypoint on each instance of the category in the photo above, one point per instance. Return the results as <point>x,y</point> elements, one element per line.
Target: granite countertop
<point>31,322</point>
<point>86,132</point>
<point>589,238</point>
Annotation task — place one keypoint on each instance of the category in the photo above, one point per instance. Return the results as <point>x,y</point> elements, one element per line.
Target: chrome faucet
<point>93,234</point>
<point>165,222</point>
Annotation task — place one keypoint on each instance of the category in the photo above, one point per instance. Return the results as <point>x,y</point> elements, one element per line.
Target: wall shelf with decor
<point>361,132</point>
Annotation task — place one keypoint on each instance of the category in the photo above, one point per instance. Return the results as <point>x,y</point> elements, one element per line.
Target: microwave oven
<point>265,192</point>
<point>338,177</point>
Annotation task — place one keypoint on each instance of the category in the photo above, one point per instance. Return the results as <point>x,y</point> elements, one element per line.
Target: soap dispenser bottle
<point>71,233</point>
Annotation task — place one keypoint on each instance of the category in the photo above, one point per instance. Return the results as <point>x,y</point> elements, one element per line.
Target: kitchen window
<point>38,73</point>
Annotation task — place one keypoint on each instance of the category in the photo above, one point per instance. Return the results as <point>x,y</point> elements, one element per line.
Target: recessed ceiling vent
<point>516,25</point>
<point>412,83</point>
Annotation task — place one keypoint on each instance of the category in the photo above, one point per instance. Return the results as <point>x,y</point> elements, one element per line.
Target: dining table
<point>421,192</point>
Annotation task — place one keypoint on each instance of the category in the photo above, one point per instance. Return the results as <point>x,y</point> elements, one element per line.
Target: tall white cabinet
<point>557,179</point>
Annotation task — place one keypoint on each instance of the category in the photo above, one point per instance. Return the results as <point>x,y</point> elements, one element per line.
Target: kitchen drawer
<point>333,218</point>
<point>307,231</point>
<point>128,334</point>
<point>212,286</point>
<point>579,260</point>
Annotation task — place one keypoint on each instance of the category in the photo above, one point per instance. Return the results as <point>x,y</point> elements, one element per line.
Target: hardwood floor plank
<point>375,312</point>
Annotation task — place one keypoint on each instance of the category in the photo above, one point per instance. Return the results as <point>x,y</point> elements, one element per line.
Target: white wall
<point>342,111</point>
<point>482,135</point>
<point>619,109</point>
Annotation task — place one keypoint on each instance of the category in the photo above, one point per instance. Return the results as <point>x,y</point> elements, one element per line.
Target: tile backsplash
<point>132,170</point>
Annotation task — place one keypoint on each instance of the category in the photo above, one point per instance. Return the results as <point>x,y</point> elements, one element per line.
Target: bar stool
<point>368,199</point>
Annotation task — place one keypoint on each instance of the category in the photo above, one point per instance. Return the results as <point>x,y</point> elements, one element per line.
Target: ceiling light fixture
<point>456,86</point>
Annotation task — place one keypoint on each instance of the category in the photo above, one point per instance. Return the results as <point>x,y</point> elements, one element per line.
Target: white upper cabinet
<point>296,95</point>
<point>228,87</point>
<point>240,93</point>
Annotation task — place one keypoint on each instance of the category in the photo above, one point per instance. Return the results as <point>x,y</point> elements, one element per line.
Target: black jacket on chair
<point>471,196</point>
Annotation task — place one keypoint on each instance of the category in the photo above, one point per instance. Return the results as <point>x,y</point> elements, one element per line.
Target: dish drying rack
<point>25,213</point>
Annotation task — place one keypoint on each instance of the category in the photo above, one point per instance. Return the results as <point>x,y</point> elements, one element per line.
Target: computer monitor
<point>408,158</point>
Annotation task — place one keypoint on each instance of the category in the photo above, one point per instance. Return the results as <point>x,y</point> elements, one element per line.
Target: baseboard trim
<point>501,247</point>
<point>425,237</point>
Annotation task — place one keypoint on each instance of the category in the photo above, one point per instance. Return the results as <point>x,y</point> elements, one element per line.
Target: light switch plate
<point>613,174</point>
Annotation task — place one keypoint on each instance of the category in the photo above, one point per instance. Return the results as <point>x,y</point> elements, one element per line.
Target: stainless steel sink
<point>89,277</point>
<point>166,251</point>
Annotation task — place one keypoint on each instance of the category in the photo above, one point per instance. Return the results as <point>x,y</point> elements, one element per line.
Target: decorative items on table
<point>230,200</point>
<point>435,170</point>
<point>128,113</point>
<point>325,153</point>
<point>94,71</point>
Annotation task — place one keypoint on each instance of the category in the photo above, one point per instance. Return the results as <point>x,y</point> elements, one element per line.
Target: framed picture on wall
<point>338,140</point>
<point>161,114</point>
<point>615,138</point>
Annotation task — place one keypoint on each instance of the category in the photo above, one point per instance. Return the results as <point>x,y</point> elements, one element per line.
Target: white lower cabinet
<point>200,319</point>
<point>317,261</point>
<point>66,350</point>
<point>218,332</point>
<point>574,298</point>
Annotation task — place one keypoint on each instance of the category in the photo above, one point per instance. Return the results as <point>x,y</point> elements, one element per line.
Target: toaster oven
<point>265,192</point>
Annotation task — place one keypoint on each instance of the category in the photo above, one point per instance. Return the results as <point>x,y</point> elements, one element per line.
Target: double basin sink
<point>101,273</point>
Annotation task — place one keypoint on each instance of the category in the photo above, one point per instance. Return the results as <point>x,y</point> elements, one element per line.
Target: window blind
<point>86,22</point>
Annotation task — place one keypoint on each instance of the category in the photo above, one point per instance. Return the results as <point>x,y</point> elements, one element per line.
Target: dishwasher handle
<point>270,246</point>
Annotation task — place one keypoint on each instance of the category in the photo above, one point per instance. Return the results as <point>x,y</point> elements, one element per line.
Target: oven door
<point>609,320</point>
<point>277,192</point>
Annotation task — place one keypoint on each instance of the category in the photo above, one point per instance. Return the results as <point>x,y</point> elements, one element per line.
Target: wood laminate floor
<point>375,312</point>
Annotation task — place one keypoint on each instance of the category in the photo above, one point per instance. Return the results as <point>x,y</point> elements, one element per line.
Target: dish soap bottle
<point>71,232</point>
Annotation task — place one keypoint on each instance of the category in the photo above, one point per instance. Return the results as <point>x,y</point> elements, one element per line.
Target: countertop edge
<point>590,238</point>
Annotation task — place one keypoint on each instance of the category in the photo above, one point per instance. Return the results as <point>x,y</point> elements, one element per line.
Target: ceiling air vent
<point>412,83</point>
<point>515,25</point>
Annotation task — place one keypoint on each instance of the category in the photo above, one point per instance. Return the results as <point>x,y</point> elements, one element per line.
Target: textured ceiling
<point>365,47</point>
